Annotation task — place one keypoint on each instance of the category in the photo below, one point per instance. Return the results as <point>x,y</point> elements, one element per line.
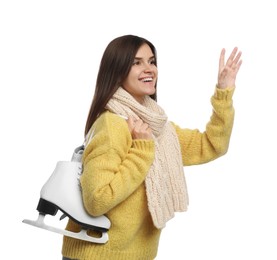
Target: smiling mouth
<point>149,79</point>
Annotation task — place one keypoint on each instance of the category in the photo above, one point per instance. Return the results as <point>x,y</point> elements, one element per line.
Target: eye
<point>136,62</point>
<point>152,61</point>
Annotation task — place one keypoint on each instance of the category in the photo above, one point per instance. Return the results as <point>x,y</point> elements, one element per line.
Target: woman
<point>134,157</point>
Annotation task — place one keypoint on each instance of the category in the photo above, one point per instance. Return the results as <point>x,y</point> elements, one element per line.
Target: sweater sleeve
<point>114,165</point>
<point>197,147</point>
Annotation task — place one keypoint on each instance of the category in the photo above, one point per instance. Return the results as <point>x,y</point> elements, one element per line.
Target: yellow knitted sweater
<point>115,167</point>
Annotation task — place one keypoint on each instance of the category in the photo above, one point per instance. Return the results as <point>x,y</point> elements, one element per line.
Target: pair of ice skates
<point>62,192</point>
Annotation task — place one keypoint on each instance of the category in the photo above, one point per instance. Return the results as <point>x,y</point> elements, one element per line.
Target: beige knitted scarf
<point>165,182</point>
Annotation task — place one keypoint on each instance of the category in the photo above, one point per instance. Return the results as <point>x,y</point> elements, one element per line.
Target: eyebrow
<point>139,58</point>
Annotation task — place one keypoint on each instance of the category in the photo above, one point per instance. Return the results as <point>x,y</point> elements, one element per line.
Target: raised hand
<point>228,71</point>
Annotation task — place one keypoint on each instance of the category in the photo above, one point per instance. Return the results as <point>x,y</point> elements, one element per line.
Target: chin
<point>151,91</point>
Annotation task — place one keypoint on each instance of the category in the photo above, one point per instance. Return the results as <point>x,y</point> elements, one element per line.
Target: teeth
<point>147,79</point>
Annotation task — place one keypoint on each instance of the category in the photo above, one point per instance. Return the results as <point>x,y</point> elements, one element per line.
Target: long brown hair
<point>115,65</point>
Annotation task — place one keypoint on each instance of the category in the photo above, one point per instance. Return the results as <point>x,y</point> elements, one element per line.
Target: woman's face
<point>142,78</point>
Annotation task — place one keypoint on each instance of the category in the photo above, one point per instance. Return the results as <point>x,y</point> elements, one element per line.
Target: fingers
<point>231,57</point>
<point>238,66</point>
<point>232,62</point>
<point>237,62</point>
<point>139,129</point>
<point>228,71</point>
<point>131,123</point>
<point>234,58</point>
<point>222,59</point>
<point>237,58</point>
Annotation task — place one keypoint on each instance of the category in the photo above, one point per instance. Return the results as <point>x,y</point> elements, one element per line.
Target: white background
<point>49,57</point>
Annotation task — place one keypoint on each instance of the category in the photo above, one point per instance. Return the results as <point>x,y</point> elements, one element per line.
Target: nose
<point>148,67</point>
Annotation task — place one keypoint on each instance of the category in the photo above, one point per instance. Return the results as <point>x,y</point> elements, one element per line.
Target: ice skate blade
<point>80,235</point>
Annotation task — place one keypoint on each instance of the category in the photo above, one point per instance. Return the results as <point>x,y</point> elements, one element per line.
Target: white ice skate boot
<point>62,192</point>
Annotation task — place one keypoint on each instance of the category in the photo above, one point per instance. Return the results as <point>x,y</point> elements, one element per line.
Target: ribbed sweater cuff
<point>224,94</point>
<point>146,145</point>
